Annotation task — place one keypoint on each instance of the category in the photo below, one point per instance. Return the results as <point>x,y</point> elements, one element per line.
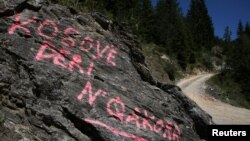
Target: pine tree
<point>239,59</point>
<point>240,28</point>
<point>227,34</point>
<point>247,29</point>
<point>172,33</point>
<point>182,45</point>
<point>200,24</point>
<point>123,10</point>
<point>166,17</point>
<point>146,20</point>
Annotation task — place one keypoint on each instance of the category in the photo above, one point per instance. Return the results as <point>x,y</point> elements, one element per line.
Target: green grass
<point>230,90</point>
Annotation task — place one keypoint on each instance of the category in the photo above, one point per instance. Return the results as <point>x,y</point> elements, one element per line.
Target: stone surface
<point>69,77</point>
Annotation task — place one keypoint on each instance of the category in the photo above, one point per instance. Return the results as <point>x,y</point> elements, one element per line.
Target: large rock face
<point>66,77</point>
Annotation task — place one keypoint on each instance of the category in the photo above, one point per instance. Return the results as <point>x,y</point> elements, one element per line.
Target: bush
<point>206,61</point>
<point>230,89</point>
<point>149,48</point>
<point>171,70</point>
<point>239,59</point>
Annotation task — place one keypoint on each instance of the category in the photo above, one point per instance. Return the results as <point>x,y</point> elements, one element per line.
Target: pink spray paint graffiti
<point>115,131</point>
<point>115,107</point>
<point>92,98</point>
<point>146,122</point>
<point>48,23</point>
<point>21,25</point>
<point>117,114</point>
<point>87,45</point>
<point>69,41</point>
<point>59,59</point>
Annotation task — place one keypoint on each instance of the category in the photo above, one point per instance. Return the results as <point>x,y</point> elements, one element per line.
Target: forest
<point>188,40</point>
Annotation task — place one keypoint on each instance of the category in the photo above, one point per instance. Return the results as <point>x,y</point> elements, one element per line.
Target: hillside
<point>70,76</point>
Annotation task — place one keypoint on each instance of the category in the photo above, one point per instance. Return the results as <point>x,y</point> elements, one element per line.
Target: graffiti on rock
<point>95,51</point>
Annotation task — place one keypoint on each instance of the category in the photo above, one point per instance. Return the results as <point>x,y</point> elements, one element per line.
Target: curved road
<point>221,112</point>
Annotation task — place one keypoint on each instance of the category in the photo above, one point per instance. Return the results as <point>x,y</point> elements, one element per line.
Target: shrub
<point>171,70</point>
<point>206,61</point>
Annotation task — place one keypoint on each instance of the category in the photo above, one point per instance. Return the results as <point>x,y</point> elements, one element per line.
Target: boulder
<point>66,76</point>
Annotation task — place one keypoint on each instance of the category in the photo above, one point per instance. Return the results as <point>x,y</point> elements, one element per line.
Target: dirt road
<point>222,113</point>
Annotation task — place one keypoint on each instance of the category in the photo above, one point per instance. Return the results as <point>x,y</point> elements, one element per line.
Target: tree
<point>247,29</point>
<point>200,24</point>
<point>239,59</point>
<point>172,33</point>
<point>166,17</point>
<point>146,20</point>
<point>240,28</point>
<point>123,10</point>
<point>182,45</point>
<point>227,34</point>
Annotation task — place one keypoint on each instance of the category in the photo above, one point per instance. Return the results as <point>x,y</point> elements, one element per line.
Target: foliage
<point>230,90</point>
<point>206,62</point>
<point>172,71</point>
<point>237,69</point>
<point>200,24</point>
<point>146,20</point>
<point>227,34</point>
<point>247,29</point>
<point>239,60</point>
<point>172,32</point>
<point>162,66</point>
<point>184,39</point>
<point>187,40</point>
<point>240,29</point>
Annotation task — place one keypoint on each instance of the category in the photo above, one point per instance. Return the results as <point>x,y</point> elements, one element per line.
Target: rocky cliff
<point>66,76</point>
